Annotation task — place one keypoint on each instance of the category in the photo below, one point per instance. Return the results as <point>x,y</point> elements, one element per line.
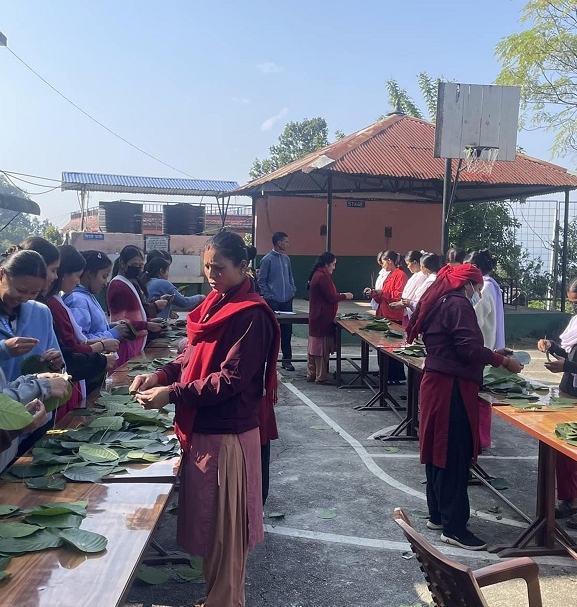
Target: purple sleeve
<point>465,332</point>
<point>170,373</point>
<point>251,336</point>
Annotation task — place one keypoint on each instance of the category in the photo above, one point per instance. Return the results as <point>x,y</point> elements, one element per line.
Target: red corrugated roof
<point>401,148</point>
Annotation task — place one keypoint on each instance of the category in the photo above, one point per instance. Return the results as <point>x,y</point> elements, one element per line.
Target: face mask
<point>132,272</point>
<point>475,298</point>
<point>574,304</point>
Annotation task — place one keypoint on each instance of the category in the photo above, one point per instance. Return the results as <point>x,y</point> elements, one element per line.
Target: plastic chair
<point>452,584</point>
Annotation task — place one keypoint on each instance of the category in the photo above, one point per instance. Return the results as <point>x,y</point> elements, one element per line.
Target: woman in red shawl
<point>453,372</point>
<point>224,388</point>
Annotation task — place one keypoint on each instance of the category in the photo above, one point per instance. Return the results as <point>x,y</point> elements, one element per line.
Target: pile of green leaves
<point>118,432</point>
<point>192,572</point>
<point>44,527</point>
<point>354,316</point>
<point>416,350</point>
<point>567,432</point>
<point>383,325</point>
<point>140,367</point>
<point>501,381</point>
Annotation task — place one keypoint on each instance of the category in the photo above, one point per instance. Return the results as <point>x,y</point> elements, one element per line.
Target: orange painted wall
<point>356,231</point>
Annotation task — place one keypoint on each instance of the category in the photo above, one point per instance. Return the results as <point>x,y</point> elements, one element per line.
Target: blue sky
<point>208,86</point>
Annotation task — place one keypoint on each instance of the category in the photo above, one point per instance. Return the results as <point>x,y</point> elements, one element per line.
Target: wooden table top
<point>540,424</point>
<point>125,514</point>
<point>377,340</point>
<point>298,318</point>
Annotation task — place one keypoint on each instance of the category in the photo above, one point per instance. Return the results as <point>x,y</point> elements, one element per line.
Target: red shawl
<point>448,279</point>
<point>204,336</point>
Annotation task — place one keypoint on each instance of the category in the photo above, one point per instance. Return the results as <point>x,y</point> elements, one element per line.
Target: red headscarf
<point>449,278</point>
<point>205,337</point>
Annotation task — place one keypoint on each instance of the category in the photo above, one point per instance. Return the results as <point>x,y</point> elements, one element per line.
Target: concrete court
<point>325,460</point>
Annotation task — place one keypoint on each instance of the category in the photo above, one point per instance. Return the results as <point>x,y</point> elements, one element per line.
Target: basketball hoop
<point>480,160</point>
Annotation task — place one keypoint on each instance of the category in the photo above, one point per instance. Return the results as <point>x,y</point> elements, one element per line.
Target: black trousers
<point>265,464</point>
<point>286,330</point>
<point>447,495</point>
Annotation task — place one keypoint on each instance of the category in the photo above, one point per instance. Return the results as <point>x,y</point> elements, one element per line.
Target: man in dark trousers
<point>277,286</point>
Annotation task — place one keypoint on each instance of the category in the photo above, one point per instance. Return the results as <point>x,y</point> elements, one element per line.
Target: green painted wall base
<point>529,322</point>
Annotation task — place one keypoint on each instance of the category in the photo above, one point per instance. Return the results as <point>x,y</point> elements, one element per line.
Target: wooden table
<point>543,531</point>
<point>384,346</point>
<point>125,514</point>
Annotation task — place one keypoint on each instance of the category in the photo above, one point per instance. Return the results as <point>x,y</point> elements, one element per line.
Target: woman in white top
<point>381,277</point>
<point>412,261</point>
<point>429,267</point>
<point>489,308</point>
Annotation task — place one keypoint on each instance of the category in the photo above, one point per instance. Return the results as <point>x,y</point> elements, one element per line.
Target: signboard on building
<point>356,204</point>
<point>93,236</point>
<point>153,242</point>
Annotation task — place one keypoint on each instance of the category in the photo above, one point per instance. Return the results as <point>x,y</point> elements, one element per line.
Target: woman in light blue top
<point>85,308</point>
<point>158,286</point>
<point>25,324</point>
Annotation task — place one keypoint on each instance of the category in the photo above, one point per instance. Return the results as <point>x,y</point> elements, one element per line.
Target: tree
<point>297,140</point>
<point>402,101</point>
<point>542,60</point>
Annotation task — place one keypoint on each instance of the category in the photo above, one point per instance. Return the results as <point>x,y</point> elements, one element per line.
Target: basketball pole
<point>446,206</point>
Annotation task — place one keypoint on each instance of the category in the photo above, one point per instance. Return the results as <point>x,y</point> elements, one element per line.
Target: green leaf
<point>29,471</point>
<point>13,415</point>
<point>78,507</point>
<point>276,515</point>
<point>53,402</point>
<point>326,513</point>
<point>4,576</point>
<point>40,540</point>
<point>190,575</point>
<point>44,483</point>
<point>140,455</point>
<point>8,510</point>
<point>499,483</point>
<point>106,422</point>
<point>61,521</point>
<point>120,390</point>
<point>4,562</point>
<point>392,449</point>
<point>18,529</point>
<point>86,474</point>
<point>34,364</point>
<point>97,453</point>
<point>85,541</point>
<point>152,575</point>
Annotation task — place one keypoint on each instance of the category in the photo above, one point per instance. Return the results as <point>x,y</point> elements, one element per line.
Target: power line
<point>94,119</point>
<point>9,178</point>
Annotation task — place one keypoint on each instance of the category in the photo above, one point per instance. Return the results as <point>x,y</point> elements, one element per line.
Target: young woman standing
<point>218,385</point>
<point>127,301</point>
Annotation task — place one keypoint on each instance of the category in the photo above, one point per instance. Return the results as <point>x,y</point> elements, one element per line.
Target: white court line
<point>486,457</point>
<point>367,542</point>
<point>376,470</point>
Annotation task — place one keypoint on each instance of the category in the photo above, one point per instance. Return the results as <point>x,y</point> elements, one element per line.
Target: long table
<point>125,509</point>
<point>382,399</point>
<point>125,514</point>
<point>547,536</point>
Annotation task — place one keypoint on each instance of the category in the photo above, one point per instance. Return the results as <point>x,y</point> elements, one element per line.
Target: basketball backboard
<point>476,116</point>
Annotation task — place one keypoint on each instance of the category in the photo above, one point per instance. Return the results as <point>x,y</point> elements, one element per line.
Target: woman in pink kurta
<point>218,385</point>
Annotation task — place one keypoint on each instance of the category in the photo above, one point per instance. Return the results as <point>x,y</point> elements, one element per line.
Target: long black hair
<point>393,256</point>
<point>482,259</point>
<point>49,252</point>
<point>153,268</point>
<point>95,261</point>
<point>71,260</point>
<point>127,253</point>
<point>24,263</point>
<point>322,260</point>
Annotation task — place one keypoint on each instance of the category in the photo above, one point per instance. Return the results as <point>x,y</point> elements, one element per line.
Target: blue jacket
<point>157,287</point>
<point>34,320</point>
<point>275,277</point>
<point>89,314</point>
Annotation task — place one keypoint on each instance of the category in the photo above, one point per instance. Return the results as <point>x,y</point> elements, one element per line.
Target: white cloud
<point>269,67</point>
<point>270,122</point>
<point>242,100</point>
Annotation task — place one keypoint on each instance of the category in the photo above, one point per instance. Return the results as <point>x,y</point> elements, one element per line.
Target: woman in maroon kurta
<point>453,372</point>
<point>323,305</point>
<point>127,301</point>
<point>219,384</point>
